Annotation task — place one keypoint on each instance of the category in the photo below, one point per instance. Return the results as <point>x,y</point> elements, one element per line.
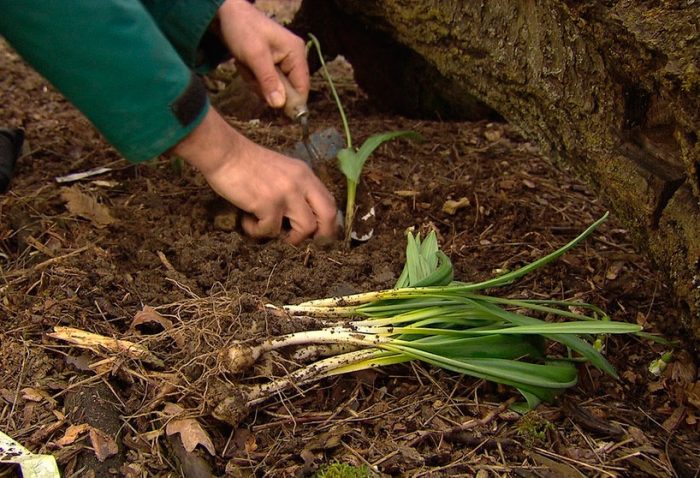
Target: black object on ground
<point>10,147</point>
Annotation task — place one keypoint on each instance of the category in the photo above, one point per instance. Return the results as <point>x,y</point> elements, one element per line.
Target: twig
<point>89,340</point>
<point>46,263</point>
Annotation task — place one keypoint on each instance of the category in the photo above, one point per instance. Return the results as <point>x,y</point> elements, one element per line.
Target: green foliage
<point>448,324</point>
<point>350,160</point>
<point>425,264</point>
<point>533,429</point>
<point>342,470</point>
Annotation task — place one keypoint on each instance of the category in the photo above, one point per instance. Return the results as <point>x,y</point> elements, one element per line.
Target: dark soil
<point>168,248</point>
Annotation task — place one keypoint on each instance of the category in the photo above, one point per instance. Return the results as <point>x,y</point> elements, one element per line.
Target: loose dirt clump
<point>206,287</point>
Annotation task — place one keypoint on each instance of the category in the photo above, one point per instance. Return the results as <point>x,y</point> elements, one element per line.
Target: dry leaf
<point>172,409</point>
<point>308,456</point>
<point>672,422</point>
<point>683,369</point>
<point>33,395</point>
<point>86,206</point>
<point>191,432</point>
<point>250,444</point>
<point>103,444</point>
<point>81,362</point>
<point>36,395</point>
<point>614,270</point>
<point>45,431</point>
<point>150,315</point>
<point>72,434</point>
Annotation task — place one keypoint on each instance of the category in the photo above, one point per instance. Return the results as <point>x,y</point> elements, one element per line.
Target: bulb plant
<point>352,160</point>
<point>432,318</point>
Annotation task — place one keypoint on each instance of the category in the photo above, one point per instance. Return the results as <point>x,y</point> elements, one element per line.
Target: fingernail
<point>276,99</point>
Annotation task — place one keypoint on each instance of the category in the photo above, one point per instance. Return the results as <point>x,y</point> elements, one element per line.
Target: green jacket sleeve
<point>113,61</point>
<point>185,23</point>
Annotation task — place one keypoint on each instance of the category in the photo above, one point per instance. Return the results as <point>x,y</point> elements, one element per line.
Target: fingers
<point>261,44</point>
<point>263,67</point>
<point>295,66</point>
<point>269,225</point>
<point>268,185</point>
<point>324,209</point>
<point>303,223</point>
<point>314,216</point>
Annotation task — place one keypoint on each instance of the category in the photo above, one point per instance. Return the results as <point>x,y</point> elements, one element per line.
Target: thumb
<point>272,89</point>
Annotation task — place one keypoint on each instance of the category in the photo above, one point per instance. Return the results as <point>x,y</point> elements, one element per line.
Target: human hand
<point>259,44</point>
<point>266,185</point>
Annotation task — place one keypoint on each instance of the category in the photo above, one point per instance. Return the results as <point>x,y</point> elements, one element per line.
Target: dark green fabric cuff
<point>186,24</point>
<point>112,61</point>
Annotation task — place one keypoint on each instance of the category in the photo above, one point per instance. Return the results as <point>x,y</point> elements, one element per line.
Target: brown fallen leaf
<point>86,206</point>
<point>614,270</point>
<point>33,395</point>
<point>103,444</point>
<point>72,434</point>
<point>250,444</point>
<point>558,468</point>
<point>81,362</point>
<point>150,315</point>
<point>672,422</point>
<point>45,431</point>
<point>191,432</point>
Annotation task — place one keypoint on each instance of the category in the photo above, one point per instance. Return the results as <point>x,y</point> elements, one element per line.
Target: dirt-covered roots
<point>233,409</point>
<point>238,358</point>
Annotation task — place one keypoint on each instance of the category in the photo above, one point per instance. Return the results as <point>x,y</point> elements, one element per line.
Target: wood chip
<point>92,341</point>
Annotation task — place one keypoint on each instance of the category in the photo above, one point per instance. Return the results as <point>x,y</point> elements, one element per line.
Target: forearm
<point>211,144</point>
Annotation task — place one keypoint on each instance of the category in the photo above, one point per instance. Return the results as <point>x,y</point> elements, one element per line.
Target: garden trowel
<point>319,151</point>
<point>313,148</point>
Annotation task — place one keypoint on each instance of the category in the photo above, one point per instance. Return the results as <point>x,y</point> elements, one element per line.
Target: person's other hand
<point>259,44</point>
<point>268,186</point>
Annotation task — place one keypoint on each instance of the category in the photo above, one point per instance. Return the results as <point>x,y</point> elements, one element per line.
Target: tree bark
<point>612,88</point>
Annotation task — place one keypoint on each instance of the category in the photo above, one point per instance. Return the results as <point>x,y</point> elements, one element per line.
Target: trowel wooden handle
<point>295,107</point>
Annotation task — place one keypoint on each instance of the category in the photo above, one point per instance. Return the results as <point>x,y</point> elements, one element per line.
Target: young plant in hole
<point>449,324</point>
<point>352,160</point>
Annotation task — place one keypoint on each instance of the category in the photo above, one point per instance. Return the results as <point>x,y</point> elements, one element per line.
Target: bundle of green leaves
<point>434,319</point>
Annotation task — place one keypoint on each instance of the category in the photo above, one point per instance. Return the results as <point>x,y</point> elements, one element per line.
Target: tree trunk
<point>610,87</point>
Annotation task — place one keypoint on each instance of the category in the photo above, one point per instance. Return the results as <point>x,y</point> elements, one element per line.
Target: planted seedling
<point>351,160</point>
<point>449,324</point>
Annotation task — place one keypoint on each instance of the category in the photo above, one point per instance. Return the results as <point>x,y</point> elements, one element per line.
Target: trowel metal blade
<point>326,143</point>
